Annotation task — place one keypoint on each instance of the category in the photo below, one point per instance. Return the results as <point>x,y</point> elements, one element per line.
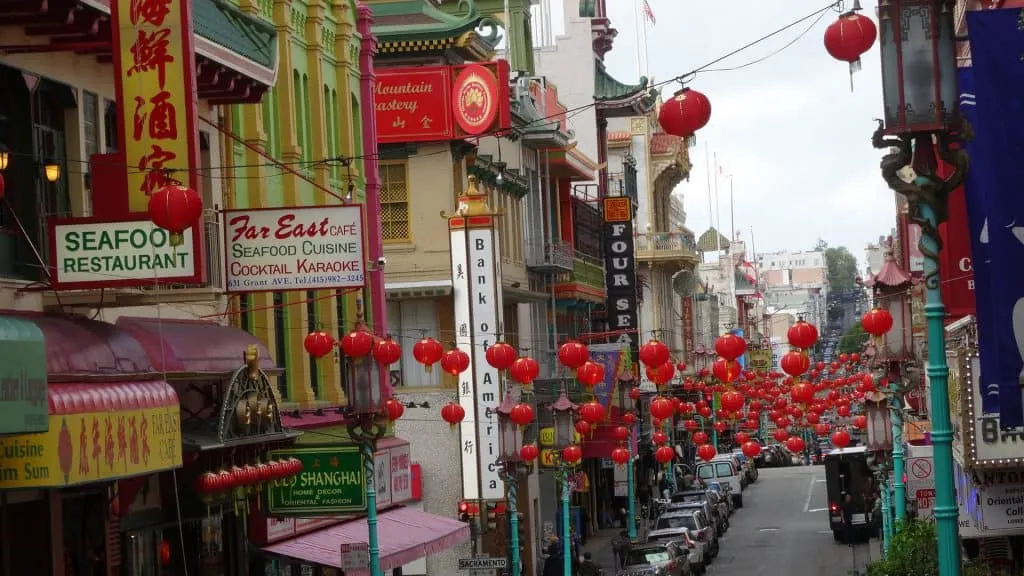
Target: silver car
<point>683,539</point>
<point>657,559</point>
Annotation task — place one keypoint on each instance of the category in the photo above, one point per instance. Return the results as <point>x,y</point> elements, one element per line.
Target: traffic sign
<point>922,468</point>
<point>482,563</point>
<point>355,556</point>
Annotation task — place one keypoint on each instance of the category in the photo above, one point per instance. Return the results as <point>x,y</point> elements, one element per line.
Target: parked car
<point>719,516</point>
<point>658,558</point>
<point>672,524</point>
<point>749,467</point>
<point>723,471</point>
<point>684,539</point>
<point>723,493</point>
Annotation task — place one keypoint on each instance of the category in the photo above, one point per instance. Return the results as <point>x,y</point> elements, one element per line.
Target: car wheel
<point>836,536</point>
<point>738,500</point>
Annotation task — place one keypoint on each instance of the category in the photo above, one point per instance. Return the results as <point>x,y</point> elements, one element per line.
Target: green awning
<point>226,25</point>
<point>24,406</point>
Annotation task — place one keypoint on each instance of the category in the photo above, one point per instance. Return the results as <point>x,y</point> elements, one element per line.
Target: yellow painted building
<point>286,152</point>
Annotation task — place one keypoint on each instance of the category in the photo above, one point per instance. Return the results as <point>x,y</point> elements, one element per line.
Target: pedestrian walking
<point>587,566</point>
<point>621,546</point>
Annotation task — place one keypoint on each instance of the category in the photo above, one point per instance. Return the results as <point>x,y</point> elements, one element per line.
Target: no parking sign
<point>921,485</point>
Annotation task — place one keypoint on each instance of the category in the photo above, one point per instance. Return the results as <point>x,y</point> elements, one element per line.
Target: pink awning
<point>405,535</point>
<point>193,346</point>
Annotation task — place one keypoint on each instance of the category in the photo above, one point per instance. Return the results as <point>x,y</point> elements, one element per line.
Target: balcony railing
<point>665,247</point>
<point>549,256</point>
<point>587,271</point>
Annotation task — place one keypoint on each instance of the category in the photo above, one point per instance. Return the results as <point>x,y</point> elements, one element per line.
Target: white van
<point>723,470</point>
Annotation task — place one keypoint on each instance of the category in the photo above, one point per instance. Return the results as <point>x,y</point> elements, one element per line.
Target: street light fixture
<point>563,413</point>
<point>364,428</point>
<point>627,404</point>
<point>918,49</point>
<point>4,157</point>
<point>510,441</point>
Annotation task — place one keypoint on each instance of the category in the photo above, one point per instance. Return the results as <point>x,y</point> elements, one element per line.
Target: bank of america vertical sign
<point>476,278</point>
<point>620,270</point>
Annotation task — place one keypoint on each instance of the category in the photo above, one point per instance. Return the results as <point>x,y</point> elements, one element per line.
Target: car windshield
<point>671,522</point>
<point>647,556</point>
<point>705,472</point>
<point>688,497</point>
<point>723,469</point>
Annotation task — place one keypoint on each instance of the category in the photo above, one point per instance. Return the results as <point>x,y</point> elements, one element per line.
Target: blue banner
<point>609,356</point>
<point>994,192</point>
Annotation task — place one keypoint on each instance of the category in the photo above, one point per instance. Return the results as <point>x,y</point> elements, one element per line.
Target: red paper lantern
<point>529,452</point>
<point>175,209</point>
<point>686,112</point>
<point>726,370</point>
<point>750,449</point>
<point>620,456</point>
<point>225,480</point>
<point>251,474</point>
<point>622,433</point>
<point>296,466</point>
<point>855,357</point>
<point>664,454</point>
<point>634,393</point>
<point>840,438</point>
<point>629,418</point>
<point>165,553</point>
<point>589,373</point>
<point>732,401</point>
<point>780,434</point>
<point>690,425</point>
<point>794,363</point>
<point>700,437</point>
<point>843,411</point>
<point>501,356</point>
<point>706,452</point>
<point>318,344</point>
<point>802,393</point>
<point>387,352</point>
<point>206,483</point>
<point>661,408</point>
<point>582,427</point>
<point>521,414</point>
<point>860,422</point>
<point>573,354</point>
<point>357,343</point>
<point>237,476</point>
<point>455,362</point>
<point>524,370</point>
<point>802,334</point>
<point>453,413</point>
<point>428,352</point>
<point>821,429</point>
<point>730,346</point>
<point>877,321</point>
<point>654,353</point>
<point>796,444</point>
<point>393,409</point>
<point>659,438</point>
<point>592,412</point>
<point>661,374</point>
<point>572,454</point>
<point>850,36</point>
<point>720,426</point>
<point>680,366</point>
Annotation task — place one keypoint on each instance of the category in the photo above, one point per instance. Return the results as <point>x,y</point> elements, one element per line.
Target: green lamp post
<point>563,413</point>
<point>512,468</point>
<point>921,123</point>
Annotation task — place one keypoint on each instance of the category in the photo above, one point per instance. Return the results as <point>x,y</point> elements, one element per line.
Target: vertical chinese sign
<point>154,64</point>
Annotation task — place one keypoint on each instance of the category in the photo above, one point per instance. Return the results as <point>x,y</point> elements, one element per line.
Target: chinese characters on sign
<point>332,481</point>
<point>154,71</point>
<point>414,104</point>
<point>91,447</point>
<point>467,395</point>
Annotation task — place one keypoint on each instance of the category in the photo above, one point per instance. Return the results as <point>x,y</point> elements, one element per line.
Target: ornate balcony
<point>548,257</point>
<point>585,282</point>
<point>667,248</point>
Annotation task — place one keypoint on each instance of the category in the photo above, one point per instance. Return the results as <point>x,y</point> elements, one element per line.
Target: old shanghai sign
<point>332,481</point>
<point>86,253</point>
<point>318,248</point>
<point>441,103</point>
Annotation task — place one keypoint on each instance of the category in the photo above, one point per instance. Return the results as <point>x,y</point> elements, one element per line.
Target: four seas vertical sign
<point>620,271</point>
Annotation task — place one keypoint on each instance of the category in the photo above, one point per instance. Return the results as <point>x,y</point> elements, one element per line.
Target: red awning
<point>193,346</point>
<point>67,399</point>
<point>405,535</point>
<point>79,349</point>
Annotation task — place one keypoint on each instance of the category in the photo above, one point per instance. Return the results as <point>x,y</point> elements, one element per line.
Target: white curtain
<point>409,321</point>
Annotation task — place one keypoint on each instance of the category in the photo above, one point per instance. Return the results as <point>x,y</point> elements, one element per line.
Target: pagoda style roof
<point>615,98</point>
<point>890,276</point>
<point>712,241</point>
<point>533,126</point>
<point>419,27</point>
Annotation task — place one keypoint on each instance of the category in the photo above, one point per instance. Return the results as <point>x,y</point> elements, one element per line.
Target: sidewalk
<point>600,547</point>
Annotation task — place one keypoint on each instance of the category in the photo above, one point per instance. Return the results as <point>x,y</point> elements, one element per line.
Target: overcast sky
<point>794,137</point>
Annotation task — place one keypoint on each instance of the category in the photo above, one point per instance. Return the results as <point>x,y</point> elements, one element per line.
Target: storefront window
<point>85,544</point>
<point>211,551</point>
<point>142,553</point>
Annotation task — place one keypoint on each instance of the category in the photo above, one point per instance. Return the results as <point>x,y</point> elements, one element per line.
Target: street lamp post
<point>918,50</point>
<point>626,405</point>
<point>364,428</point>
<point>563,413</point>
<point>512,467</point>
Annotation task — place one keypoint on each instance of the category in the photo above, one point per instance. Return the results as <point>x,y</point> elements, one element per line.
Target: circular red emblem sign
<point>475,99</point>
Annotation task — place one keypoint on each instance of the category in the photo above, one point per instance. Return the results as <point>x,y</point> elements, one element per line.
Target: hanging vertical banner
<point>689,341</point>
<point>993,200</point>
<point>620,272</point>
<point>467,396</point>
<point>154,75</point>
<point>609,356</point>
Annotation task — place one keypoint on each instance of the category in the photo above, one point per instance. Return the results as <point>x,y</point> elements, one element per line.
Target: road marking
<point>820,480</point>
<point>824,531</point>
<point>817,509</point>
<point>768,530</point>
<point>810,494</point>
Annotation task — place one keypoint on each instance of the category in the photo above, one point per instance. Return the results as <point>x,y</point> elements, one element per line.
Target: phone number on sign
<point>301,281</point>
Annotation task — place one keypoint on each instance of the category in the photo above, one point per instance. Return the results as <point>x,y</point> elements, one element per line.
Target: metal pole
<point>566,544</point>
<point>630,491</point>
<point>946,510</point>
<point>886,529</point>
<point>671,474</point>
<point>512,487</point>
<point>367,447</point>
<point>898,464</point>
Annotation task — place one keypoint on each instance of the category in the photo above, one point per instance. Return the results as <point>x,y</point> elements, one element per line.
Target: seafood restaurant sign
<point>319,248</point>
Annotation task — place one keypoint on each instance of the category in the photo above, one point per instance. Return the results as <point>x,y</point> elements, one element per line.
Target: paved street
<point>782,529</point>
